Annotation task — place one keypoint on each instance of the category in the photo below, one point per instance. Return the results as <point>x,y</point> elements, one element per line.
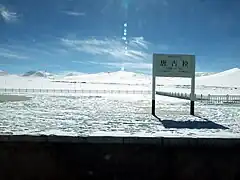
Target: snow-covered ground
<point>119,114</point>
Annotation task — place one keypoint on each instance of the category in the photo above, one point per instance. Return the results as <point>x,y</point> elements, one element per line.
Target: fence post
<point>209,98</point>
<point>227,98</point>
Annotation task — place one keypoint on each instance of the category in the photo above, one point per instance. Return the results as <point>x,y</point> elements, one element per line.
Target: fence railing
<point>210,99</point>
<point>78,91</point>
<point>235,99</point>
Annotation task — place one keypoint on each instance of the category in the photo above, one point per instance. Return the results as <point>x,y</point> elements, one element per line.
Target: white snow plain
<point>119,114</point>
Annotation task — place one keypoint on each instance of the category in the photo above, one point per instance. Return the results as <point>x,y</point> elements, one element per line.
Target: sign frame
<point>187,70</point>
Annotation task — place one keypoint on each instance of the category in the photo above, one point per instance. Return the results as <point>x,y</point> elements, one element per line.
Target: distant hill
<point>112,77</point>
<point>200,74</point>
<point>37,74</point>
<point>229,78</point>
<point>73,74</point>
<point>3,73</point>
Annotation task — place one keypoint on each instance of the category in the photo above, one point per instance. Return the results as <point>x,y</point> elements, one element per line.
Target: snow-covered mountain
<point>37,74</point>
<point>229,78</point>
<point>200,74</point>
<point>3,73</point>
<point>72,73</point>
<point>124,77</point>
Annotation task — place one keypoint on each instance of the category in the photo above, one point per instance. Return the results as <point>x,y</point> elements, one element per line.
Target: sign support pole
<point>153,92</point>
<point>192,98</point>
<point>192,102</point>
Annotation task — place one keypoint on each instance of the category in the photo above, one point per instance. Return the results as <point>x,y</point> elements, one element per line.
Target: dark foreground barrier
<point>50,157</point>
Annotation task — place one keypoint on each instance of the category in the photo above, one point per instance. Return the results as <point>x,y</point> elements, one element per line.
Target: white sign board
<point>173,65</point>
<point>168,65</point>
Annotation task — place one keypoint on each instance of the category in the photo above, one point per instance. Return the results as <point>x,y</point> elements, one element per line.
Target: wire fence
<point>72,91</point>
<point>210,99</point>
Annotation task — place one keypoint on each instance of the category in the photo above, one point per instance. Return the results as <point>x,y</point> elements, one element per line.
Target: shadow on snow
<point>190,124</point>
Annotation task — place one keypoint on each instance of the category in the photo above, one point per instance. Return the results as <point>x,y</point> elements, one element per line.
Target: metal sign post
<point>192,98</point>
<point>153,93</point>
<point>173,65</point>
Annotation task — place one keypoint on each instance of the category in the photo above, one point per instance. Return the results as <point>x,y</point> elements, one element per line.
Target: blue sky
<point>86,35</point>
